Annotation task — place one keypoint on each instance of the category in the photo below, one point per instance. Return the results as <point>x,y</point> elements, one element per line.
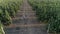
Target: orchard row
<point>48,11</point>
<point>8,9</point>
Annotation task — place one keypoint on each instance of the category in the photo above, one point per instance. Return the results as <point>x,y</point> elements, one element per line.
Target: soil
<point>25,22</point>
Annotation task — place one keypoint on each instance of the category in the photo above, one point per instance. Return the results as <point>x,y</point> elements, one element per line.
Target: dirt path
<point>25,22</point>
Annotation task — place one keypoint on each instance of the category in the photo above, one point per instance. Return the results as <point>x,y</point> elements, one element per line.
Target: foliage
<point>8,9</point>
<point>1,29</point>
<point>48,10</point>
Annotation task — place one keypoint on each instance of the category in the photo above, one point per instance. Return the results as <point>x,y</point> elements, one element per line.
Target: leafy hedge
<point>8,9</point>
<point>48,10</point>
